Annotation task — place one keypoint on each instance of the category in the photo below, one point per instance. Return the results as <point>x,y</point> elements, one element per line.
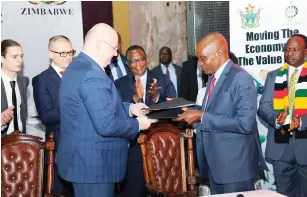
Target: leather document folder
<point>175,103</point>
<point>168,109</point>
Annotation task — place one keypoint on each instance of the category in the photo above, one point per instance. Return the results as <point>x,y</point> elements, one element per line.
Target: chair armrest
<point>155,191</point>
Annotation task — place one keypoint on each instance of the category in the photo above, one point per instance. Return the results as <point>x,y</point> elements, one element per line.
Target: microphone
<point>240,195</point>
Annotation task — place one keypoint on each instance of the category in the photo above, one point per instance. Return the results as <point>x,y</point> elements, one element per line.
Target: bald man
<point>46,87</point>
<point>227,130</point>
<point>95,124</point>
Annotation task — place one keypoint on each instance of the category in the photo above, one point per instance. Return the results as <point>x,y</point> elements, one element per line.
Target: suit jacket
<point>189,87</point>
<point>23,83</point>
<point>229,130</point>
<point>94,125</point>
<point>178,69</point>
<point>126,87</point>
<point>46,87</point>
<point>126,90</point>
<point>124,60</point>
<point>266,112</point>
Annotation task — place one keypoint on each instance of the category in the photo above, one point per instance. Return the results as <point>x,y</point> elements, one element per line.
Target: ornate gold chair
<point>163,156</point>
<point>22,165</point>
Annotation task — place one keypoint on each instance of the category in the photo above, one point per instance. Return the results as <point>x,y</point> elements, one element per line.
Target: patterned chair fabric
<point>162,147</point>
<point>22,165</point>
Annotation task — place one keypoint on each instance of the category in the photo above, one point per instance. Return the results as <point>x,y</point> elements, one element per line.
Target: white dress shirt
<point>143,80</point>
<point>57,69</point>
<point>8,90</point>
<point>121,66</point>
<point>172,73</point>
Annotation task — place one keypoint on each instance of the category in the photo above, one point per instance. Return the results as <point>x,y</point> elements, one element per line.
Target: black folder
<point>175,103</point>
<point>168,109</point>
<point>165,114</point>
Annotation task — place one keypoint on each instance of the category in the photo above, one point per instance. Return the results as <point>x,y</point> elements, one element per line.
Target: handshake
<point>140,110</point>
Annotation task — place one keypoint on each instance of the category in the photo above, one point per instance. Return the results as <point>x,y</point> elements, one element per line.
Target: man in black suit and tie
<point>14,89</point>
<point>46,87</point>
<point>173,71</point>
<point>146,87</point>
<point>118,67</point>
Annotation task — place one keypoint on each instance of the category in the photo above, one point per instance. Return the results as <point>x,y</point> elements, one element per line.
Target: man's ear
<point>220,53</point>
<point>50,54</point>
<point>2,59</point>
<point>305,54</point>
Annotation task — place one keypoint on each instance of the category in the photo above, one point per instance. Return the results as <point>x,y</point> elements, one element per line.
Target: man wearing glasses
<point>46,87</point>
<point>142,86</point>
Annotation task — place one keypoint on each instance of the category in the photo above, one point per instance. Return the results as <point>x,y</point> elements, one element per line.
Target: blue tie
<point>119,72</point>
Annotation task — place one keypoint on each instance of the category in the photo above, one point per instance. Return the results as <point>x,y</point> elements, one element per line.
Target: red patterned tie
<point>62,73</point>
<point>211,87</point>
<point>167,71</point>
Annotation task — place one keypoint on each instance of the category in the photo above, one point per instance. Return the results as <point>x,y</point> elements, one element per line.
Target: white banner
<point>32,23</point>
<point>259,30</point>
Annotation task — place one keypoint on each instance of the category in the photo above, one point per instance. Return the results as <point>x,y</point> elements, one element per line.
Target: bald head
<point>212,52</point>
<point>215,41</point>
<point>101,43</point>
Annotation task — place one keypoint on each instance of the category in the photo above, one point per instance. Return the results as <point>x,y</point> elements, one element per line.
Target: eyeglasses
<point>115,48</point>
<point>64,54</point>
<point>141,60</point>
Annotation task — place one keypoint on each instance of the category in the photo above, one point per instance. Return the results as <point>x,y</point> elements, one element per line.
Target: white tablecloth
<point>257,193</point>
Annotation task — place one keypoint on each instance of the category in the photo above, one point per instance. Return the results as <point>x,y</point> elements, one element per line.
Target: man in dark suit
<point>95,123</point>
<point>147,87</point>
<point>227,120</point>
<point>46,88</point>
<point>173,71</point>
<point>13,89</point>
<point>283,107</point>
<point>194,79</point>
<point>118,67</point>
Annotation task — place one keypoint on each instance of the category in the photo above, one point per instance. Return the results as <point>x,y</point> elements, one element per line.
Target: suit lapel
<point>160,70</point>
<point>206,94</point>
<point>178,75</point>
<point>4,104</point>
<point>131,83</point>
<point>22,89</point>
<point>55,76</point>
<point>124,60</point>
<point>219,83</point>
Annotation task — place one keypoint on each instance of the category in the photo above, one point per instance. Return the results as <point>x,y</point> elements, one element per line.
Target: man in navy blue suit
<point>46,87</point>
<point>227,120</point>
<point>147,87</point>
<point>95,124</point>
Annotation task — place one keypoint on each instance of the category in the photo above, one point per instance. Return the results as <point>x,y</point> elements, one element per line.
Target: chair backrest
<point>22,165</point>
<point>163,157</point>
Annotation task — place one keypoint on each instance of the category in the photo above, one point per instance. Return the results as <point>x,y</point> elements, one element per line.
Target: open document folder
<point>168,109</point>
